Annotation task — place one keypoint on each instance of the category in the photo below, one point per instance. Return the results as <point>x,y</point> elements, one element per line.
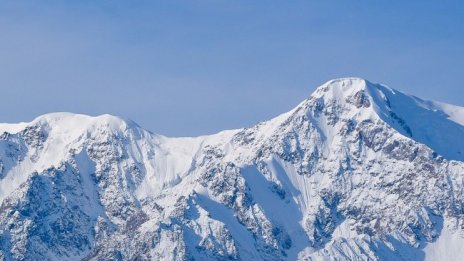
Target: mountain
<point>357,171</point>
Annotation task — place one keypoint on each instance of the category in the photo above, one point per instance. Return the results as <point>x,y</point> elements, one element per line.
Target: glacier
<point>357,171</point>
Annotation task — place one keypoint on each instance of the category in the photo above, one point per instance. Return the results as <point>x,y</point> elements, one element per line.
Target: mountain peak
<point>64,117</point>
<point>432,123</point>
<point>346,82</point>
<point>357,171</point>
<point>341,86</point>
<point>354,91</point>
<point>72,123</point>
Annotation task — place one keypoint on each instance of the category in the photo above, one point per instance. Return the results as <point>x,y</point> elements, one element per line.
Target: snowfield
<point>357,171</point>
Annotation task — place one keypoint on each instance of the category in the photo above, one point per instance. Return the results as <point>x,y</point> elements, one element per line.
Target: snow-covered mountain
<point>357,171</point>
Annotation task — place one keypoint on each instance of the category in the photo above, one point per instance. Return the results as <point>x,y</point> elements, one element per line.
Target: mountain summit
<point>357,171</point>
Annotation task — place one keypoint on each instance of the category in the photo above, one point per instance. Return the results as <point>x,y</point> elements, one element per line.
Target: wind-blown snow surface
<point>357,171</point>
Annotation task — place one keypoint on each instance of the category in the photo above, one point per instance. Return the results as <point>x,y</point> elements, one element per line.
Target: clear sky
<point>201,66</point>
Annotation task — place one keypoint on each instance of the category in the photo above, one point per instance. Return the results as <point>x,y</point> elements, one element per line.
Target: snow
<point>226,216</point>
<point>437,125</point>
<point>344,230</point>
<point>15,177</point>
<point>455,113</point>
<point>449,246</point>
<point>282,213</point>
<point>12,128</point>
<point>296,168</point>
<point>65,131</point>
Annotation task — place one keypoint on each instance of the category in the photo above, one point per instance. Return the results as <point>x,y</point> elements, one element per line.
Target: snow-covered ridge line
<point>340,88</point>
<point>357,171</point>
<point>431,123</point>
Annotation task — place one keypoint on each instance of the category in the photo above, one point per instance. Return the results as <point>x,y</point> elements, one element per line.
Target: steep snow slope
<point>357,171</point>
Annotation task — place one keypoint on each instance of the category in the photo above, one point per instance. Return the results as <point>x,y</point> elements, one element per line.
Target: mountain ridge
<point>353,85</point>
<point>352,172</point>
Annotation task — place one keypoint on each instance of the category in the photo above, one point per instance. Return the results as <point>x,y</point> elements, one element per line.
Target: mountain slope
<point>356,171</point>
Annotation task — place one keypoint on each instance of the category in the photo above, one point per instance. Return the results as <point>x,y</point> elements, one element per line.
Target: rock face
<point>357,171</point>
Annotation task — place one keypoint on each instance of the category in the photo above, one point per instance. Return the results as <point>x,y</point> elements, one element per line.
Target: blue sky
<point>197,67</point>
